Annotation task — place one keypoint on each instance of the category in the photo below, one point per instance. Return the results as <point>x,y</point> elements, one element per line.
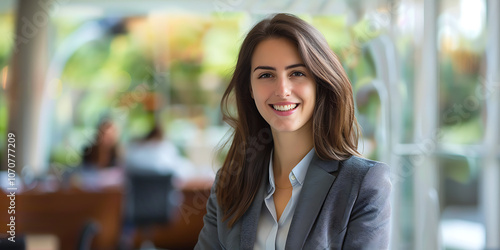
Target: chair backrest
<point>89,231</point>
<point>150,198</point>
<point>18,244</point>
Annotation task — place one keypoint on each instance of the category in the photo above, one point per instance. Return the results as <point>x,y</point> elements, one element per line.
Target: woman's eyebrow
<point>264,67</point>
<point>295,66</point>
<point>287,67</point>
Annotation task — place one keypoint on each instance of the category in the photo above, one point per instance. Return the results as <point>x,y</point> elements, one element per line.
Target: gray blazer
<point>342,205</point>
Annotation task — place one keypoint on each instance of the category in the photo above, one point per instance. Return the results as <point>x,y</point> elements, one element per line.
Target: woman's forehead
<point>276,52</point>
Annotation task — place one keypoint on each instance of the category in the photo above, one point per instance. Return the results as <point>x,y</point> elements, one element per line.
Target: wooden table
<point>64,214</point>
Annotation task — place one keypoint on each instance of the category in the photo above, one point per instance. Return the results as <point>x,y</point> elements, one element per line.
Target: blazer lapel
<point>250,220</point>
<point>317,184</point>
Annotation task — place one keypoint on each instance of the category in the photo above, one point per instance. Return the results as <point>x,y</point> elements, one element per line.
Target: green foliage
<point>85,63</point>
<point>6,44</point>
<point>7,38</point>
<point>185,85</point>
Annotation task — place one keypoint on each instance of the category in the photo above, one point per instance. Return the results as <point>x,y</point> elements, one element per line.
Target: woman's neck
<point>289,149</point>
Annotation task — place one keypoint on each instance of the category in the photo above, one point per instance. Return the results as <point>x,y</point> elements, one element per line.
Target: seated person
<point>101,161</point>
<point>103,152</point>
<point>155,154</point>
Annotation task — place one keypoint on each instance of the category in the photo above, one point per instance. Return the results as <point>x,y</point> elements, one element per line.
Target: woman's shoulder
<point>361,162</point>
<point>360,166</point>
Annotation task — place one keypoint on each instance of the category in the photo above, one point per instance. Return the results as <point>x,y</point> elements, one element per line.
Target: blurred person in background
<point>293,178</point>
<point>155,154</point>
<point>102,164</point>
<point>104,151</point>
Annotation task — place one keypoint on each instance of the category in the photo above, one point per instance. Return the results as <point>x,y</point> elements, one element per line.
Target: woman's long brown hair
<point>335,129</point>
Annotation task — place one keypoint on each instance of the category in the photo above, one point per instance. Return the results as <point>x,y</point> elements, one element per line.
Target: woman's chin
<point>284,128</point>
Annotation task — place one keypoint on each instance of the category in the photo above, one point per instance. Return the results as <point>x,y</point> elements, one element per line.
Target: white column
<point>490,197</point>
<point>26,82</point>
<point>384,55</point>
<point>426,216</point>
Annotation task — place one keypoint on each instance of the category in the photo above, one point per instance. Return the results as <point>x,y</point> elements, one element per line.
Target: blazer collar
<point>250,220</point>
<point>319,179</point>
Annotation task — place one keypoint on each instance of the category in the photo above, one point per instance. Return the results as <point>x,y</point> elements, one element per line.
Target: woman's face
<point>282,87</point>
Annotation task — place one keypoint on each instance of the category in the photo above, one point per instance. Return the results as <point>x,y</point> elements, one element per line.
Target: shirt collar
<point>299,171</point>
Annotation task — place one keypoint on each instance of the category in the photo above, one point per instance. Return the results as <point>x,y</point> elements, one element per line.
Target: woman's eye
<point>265,75</point>
<point>297,73</point>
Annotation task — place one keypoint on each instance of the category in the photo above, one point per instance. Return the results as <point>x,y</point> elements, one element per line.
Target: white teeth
<point>284,107</point>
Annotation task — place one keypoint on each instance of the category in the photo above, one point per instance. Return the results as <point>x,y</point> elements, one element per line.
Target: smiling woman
<point>305,186</point>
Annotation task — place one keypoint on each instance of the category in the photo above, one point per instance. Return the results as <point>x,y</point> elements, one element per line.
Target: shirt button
<point>293,177</point>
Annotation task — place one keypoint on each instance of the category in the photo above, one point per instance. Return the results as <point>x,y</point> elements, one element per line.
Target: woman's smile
<point>284,109</point>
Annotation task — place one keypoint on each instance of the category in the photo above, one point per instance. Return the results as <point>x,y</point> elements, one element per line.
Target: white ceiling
<point>140,7</point>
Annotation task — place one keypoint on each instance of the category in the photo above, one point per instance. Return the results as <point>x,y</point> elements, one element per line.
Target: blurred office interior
<point>100,93</point>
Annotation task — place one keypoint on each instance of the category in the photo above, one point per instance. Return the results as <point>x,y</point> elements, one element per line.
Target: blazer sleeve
<point>208,237</point>
<point>369,225</point>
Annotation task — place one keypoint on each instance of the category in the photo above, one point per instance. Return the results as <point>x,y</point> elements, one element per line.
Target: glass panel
<point>462,41</point>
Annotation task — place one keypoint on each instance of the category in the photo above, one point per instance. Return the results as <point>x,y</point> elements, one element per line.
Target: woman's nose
<point>283,87</point>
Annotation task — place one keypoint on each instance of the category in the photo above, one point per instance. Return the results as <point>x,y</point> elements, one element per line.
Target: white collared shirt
<point>272,234</point>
